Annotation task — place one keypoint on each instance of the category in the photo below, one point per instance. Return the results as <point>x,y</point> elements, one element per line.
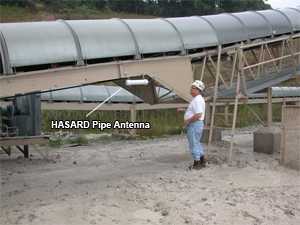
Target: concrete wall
<point>290,154</point>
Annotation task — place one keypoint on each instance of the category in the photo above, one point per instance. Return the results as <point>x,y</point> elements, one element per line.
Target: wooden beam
<point>174,72</point>
<point>22,140</point>
<point>218,69</point>
<point>270,116</point>
<point>236,101</point>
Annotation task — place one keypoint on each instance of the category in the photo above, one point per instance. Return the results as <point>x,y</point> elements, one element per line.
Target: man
<point>194,123</point>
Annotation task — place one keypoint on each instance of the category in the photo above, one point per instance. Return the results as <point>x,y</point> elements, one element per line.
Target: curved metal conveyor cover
<point>98,93</point>
<point>103,38</point>
<point>255,24</point>
<point>293,16</point>
<point>38,43</point>
<point>286,91</point>
<point>72,94</point>
<point>90,93</point>
<point>154,35</point>
<point>195,32</point>
<point>228,28</point>
<point>280,23</point>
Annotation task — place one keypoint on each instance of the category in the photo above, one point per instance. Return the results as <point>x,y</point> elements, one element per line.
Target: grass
<point>163,122</point>
<point>57,141</point>
<point>79,140</point>
<point>18,14</point>
<point>14,14</point>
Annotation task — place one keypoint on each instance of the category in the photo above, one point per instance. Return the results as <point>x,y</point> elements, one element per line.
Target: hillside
<point>33,10</point>
<point>20,14</point>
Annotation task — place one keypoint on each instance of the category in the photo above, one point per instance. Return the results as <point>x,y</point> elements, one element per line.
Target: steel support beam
<point>108,106</point>
<point>175,73</point>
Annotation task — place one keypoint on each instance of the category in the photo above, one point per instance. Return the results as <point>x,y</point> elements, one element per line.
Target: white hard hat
<point>199,84</point>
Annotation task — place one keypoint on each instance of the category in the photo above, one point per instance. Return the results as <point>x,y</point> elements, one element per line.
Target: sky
<point>283,3</point>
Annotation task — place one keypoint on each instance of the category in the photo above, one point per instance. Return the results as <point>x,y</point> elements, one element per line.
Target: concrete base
<point>267,140</point>
<point>290,156</point>
<point>217,135</point>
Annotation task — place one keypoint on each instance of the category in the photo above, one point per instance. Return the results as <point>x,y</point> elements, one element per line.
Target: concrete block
<point>291,149</point>
<point>290,155</point>
<point>217,135</point>
<point>267,140</point>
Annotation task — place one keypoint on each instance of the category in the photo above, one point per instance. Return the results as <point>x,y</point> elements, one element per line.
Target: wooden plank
<point>10,141</point>
<point>218,69</point>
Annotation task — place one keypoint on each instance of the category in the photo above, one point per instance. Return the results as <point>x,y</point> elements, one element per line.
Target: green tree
<point>242,5</point>
<point>97,4</point>
<point>130,6</point>
<point>19,3</point>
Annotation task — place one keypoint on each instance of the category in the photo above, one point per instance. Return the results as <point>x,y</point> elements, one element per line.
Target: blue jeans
<point>194,134</point>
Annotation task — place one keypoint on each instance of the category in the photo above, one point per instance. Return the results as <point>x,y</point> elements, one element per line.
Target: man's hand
<point>194,118</point>
<point>185,123</point>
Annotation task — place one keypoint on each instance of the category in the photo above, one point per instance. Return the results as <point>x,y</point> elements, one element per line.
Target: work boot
<point>191,166</point>
<point>196,166</point>
<point>203,161</point>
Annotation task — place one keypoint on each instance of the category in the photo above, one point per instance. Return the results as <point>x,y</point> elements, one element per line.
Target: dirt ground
<point>147,182</point>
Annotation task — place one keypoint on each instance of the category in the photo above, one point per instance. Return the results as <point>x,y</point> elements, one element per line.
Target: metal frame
<point>249,69</point>
<point>212,26</point>
<point>266,20</point>
<point>7,69</point>
<point>241,22</point>
<point>183,48</point>
<point>7,142</point>
<point>138,54</point>
<point>161,69</point>
<point>287,18</point>
<point>80,60</point>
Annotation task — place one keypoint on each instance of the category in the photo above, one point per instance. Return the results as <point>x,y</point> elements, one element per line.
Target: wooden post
<point>298,49</point>
<point>269,115</point>
<point>236,101</point>
<point>272,57</point>
<point>26,151</point>
<point>233,67</point>
<point>215,96</point>
<point>216,69</point>
<point>247,64</point>
<point>203,68</point>
<point>282,133</point>
<point>207,113</point>
<point>226,112</point>
<point>133,117</point>
<point>281,54</point>
<point>261,59</point>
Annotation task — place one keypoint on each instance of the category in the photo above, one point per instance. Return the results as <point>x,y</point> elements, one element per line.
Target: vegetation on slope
<point>30,10</point>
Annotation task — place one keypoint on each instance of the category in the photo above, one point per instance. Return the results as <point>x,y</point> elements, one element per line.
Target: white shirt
<point>197,105</point>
